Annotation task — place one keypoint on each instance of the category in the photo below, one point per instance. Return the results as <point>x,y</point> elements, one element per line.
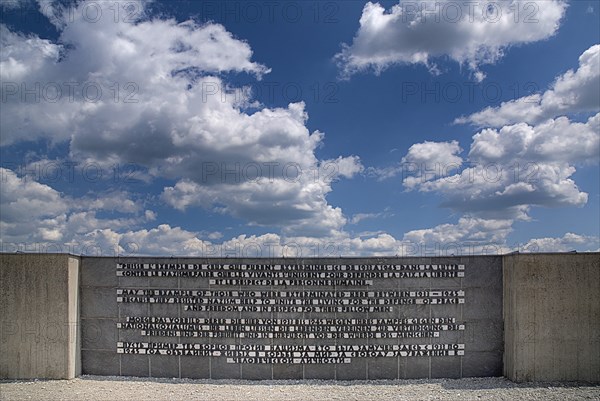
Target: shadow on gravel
<point>501,382</point>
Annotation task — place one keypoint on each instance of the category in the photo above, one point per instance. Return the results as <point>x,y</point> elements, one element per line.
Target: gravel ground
<point>101,388</point>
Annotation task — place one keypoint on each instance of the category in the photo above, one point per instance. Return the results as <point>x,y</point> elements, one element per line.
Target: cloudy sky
<point>299,128</point>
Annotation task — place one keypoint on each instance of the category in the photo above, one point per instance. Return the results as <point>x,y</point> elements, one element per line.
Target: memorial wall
<point>327,318</point>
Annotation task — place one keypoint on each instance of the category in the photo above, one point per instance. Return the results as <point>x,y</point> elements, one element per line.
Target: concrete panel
<point>99,334</point>
<point>552,317</point>
<point>352,371</point>
<point>256,372</point>
<point>98,302</point>
<point>164,366</point>
<point>320,372</point>
<point>220,369</point>
<point>287,372</point>
<point>135,365</point>
<point>40,317</point>
<point>194,367</point>
<point>382,368</point>
<point>481,364</point>
<point>449,368</point>
<point>104,363</point>
<point>417,368</point>
<point>98,272</point>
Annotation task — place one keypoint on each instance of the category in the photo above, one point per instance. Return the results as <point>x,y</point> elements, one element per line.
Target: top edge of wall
<point>300,257</point>
<point>44,254</point>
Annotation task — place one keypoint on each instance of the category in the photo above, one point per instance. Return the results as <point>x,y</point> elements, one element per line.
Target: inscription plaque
<point>327,318</point>
<point>287,293</point>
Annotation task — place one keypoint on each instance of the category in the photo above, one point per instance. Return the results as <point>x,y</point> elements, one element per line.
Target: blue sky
<point>300,128</point>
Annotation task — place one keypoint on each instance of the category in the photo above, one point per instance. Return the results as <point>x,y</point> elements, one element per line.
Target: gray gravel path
<point>99,388</point>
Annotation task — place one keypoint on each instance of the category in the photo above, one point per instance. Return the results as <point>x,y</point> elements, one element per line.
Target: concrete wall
<point>533,317</point>
<point>40,316</point>
<point>552,317</point>
<point>481,315</point>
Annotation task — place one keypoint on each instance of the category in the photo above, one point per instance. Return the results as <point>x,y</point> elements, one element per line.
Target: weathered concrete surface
<point>552,317</point>
<point>39,302</point>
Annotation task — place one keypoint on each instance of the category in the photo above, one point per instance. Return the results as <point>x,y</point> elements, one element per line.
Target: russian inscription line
<point>256,353</point>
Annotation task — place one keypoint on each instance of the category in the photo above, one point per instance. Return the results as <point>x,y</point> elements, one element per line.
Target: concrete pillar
<point>552,317</point>
<point>39,303</point>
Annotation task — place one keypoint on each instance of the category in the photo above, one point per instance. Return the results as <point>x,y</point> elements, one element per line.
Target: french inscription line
<point>324,275</point>
<point>287,267</point>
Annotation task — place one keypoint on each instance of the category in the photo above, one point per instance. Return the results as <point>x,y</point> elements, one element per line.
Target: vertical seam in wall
<point>239,339</point>
<point>119,319</point>
<point>210,340</point>
<point>366,359</point>
<point>590,373</point>
<point>461,308</point>
<point>514,293</point>
<point>513,322</point>
<point>430,339</point>
<point>148,314</point>
<point>179,316</point>
<point>508,352</point>
<point>397,315</point>
<point>534,334</point>
<point>272,342</point>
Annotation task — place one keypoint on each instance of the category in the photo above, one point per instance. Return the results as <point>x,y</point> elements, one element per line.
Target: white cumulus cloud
<point>566,243</point>
<point>572,92</point>
<point>470,33</point>
<point>519,166</point>
<point>153,92</point>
